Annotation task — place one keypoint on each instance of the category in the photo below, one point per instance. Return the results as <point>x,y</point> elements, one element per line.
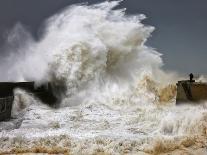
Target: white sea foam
<point>118,99</point>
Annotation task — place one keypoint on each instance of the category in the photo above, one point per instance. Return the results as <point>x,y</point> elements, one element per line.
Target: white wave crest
<point>118,100</point>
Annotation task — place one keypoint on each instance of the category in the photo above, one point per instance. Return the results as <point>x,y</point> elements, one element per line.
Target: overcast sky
<point>181,26</point>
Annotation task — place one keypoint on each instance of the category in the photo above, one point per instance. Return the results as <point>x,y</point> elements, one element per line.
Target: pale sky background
<point>180,35</point>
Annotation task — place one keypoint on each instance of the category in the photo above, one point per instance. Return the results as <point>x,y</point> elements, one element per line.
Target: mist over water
<point>117,100</point>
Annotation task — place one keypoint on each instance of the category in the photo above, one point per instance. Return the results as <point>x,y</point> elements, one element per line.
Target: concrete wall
<point>195,92</point>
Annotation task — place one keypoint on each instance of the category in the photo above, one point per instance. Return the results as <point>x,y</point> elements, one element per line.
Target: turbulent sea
<point>116,98</point>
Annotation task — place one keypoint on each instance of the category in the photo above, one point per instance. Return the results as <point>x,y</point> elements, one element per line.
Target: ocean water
<point>117,99</point>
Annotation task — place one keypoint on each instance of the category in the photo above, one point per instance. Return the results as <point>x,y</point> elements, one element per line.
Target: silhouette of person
<point>191,77</point>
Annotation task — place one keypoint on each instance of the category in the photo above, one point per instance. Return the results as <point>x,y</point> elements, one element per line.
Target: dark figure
<point>191,77</point>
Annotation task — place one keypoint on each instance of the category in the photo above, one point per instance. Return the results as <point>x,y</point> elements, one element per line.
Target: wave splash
<point>117,99</point>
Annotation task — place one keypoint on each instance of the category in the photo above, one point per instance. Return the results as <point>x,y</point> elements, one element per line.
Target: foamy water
<point>118,99</point>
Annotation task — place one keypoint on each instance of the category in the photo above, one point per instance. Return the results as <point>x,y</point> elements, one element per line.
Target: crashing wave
<point>116,98</point>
